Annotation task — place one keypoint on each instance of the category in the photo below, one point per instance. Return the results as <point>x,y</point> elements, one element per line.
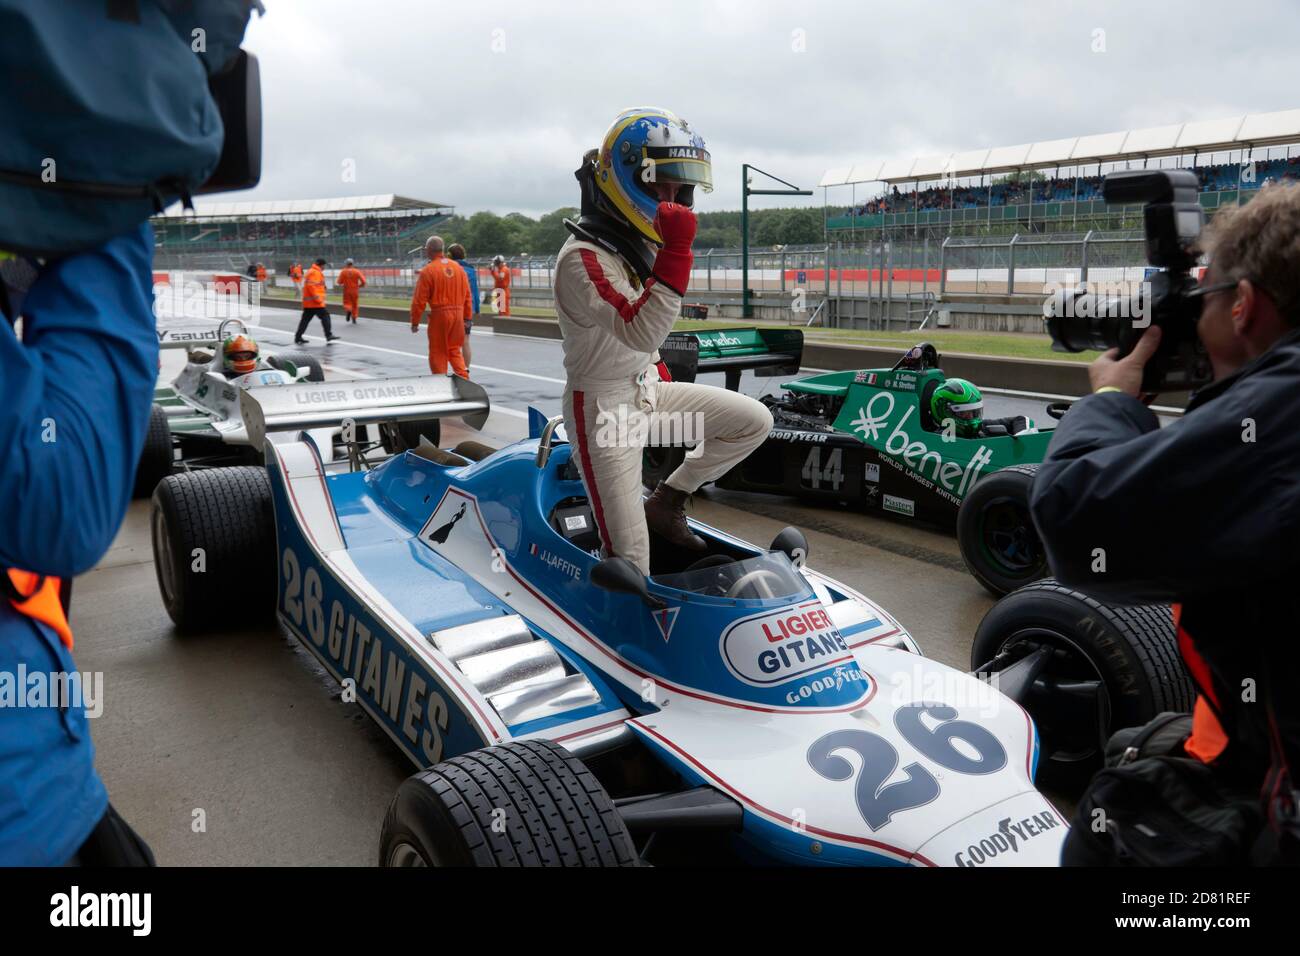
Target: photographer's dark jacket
<point>1204,512</point>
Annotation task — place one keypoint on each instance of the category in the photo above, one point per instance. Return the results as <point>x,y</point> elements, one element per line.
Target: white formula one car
<point>196,420</point>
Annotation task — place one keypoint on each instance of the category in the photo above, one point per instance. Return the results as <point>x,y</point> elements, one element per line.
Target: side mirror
<point>793,543</point>
<point>620,574</point>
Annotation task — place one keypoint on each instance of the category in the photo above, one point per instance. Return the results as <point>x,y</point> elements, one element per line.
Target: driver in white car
<point>238,356</point>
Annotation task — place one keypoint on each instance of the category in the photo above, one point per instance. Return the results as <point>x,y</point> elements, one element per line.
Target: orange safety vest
<point>351,279</point>
<point>38,598</point>
<point>313,289</point>
<point>443,286</point>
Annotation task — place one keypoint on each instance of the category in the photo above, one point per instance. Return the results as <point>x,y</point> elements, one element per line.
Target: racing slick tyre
<point>556,813</point>
<point>213,535</point>
<point>300,360</point>
<point>657,463</point>
<point>156,459</point>
<point>1103,668</point>
<point>409,434</point>
<point>996,535</point>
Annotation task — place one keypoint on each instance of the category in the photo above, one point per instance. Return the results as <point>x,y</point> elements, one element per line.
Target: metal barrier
<point>878,274</point>
<point>1031,263</point>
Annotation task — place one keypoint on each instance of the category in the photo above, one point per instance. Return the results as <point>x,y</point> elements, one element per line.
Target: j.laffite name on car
<point>357,393</point>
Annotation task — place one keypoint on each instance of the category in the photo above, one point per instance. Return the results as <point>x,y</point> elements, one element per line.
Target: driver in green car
<point>960,402</point>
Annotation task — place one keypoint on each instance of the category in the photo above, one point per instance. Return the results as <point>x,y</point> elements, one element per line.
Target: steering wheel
<point>757,579</point>
<point>710,561</point>
<point>1057,410</point>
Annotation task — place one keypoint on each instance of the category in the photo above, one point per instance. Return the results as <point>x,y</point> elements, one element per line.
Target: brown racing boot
<point>664,515</point>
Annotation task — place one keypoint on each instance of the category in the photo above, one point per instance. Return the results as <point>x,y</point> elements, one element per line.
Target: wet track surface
<point>244,733</point>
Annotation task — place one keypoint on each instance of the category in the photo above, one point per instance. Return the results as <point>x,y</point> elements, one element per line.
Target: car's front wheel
<point>523,803</point>
<point>1082,669</point>
<point>996,535</point>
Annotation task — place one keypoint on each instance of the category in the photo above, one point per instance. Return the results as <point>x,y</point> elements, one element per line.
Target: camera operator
<point>79,348</point>
<point>1205,512</point>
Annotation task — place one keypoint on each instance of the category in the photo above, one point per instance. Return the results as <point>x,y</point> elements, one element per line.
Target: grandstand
<point>230,235</point>
<point>1055,186</point>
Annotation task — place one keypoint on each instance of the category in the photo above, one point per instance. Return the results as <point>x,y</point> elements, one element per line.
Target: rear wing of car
<point>731,351</point>
<point>307,405</point>
<point>187,335</point>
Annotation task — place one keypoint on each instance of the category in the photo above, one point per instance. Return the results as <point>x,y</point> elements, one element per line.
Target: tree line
<point>487,234</point>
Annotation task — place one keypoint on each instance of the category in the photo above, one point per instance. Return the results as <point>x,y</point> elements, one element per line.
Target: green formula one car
<point>870,437</point>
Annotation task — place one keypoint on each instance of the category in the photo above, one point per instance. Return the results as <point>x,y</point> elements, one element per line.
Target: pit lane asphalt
<point>235,748</point>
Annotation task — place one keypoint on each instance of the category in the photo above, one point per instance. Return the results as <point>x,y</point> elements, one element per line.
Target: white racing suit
<point>617,398</point>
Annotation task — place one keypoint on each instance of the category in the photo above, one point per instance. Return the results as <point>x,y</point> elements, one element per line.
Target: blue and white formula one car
<point>566,710</point>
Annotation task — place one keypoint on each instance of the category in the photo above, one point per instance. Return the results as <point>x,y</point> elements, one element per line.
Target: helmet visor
<point>969,412</point>
<point>688,165</point>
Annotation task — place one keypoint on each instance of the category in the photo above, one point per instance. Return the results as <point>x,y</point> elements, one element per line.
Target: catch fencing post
<point>925,268</point>
<point>943,264</point>
<point>826,270</point>
<point>839,270</point>
<point>888,303</point>
<point>1011,264</point>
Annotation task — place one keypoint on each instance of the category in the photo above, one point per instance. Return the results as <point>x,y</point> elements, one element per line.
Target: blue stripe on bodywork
<point>396,688</point>
<point>432,592</point>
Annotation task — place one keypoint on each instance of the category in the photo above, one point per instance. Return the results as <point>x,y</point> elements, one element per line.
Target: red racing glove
<point>676,226</point>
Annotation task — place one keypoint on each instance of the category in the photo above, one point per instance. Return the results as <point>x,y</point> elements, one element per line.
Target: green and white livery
<point>908,441</point>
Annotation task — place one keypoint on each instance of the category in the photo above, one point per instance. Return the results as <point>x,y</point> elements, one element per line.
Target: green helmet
<point>959,400</point>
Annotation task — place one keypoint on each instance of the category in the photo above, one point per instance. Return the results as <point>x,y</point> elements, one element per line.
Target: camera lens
<point>1079,321</point>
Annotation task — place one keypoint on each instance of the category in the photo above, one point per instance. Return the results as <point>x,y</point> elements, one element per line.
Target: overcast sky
<point>491,105</point>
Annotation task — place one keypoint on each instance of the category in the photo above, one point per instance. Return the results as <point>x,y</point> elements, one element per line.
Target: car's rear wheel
<point>524,803</point>
<point>657,463</point>
<point>399,436</point>
<point>300,360</point>
<point>996,534</point>
<point>213,534</point>
<point>1092,669</point>
<point>156,457</point>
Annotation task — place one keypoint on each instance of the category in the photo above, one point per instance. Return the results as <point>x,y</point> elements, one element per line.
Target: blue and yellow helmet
<point>645,146</point>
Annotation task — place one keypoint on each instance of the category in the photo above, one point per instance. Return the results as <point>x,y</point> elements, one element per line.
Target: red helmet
<point>239,355</point>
